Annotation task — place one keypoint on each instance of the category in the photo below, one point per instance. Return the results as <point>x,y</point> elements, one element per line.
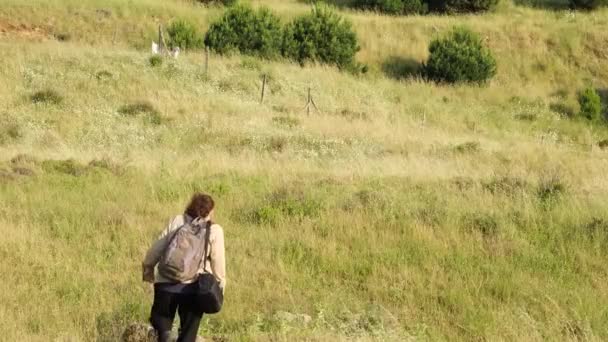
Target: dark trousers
<point>163,312</point>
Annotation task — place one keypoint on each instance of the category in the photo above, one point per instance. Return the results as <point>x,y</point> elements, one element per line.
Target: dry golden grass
<point>402,210</point>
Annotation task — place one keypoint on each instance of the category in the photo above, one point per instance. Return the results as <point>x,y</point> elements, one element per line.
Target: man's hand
<point>148,274</point>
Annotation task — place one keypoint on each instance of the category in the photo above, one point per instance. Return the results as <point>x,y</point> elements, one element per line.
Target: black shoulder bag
<point>209,295</point>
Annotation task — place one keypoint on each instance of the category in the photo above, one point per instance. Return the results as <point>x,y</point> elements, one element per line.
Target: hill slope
<point>401,209</point>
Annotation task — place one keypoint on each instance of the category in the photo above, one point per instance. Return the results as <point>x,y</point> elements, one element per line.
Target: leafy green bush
<point>155,60</point>
<point>321,36</point>
<point>183,34</point>
<point>395,7</point>
<point>588,5</point>
<point>460,57</point>
<point>247,31</point>
<point>461,6</point>
<point>590,103</point>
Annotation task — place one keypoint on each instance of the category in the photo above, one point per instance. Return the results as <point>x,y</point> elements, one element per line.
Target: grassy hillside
<point>401,210</point>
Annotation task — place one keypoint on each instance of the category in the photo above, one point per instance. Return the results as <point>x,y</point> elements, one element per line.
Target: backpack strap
<point>207,243</point>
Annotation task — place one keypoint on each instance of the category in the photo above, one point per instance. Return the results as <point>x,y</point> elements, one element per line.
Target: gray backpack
<point>181,259</point>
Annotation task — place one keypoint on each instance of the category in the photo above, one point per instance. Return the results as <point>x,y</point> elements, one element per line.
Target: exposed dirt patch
<point>23,31</point>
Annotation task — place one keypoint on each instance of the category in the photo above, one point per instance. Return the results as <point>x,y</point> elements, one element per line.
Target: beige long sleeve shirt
<point>215,261</point>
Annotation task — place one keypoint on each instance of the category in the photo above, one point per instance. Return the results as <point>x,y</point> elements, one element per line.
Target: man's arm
<point>218,258</point>
<point>158,247</point>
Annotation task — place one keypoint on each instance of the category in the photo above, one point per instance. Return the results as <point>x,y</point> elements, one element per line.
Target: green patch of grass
<point>137,108</point>
<point>550,190</point>
<point>103,75</point>
<point>352,115</point>
<point>10,132</point>
<point>284,204</point>
<point>468,147</point>
<point>506,185</point>
<point>69,167</point>
<point>49,96</point>
<point>485,224</point>
<point>286,121</point>
<point>155,61</point>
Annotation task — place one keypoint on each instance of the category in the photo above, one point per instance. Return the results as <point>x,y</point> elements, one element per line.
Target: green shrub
<point>461,6</point>
<point>587,5</point>
<point>590,103</point>
<point>46,96</point>
<point>321,36</point>
<point>155,60</point>
<point>218,2</point>
<point>460,57</point>
<point>247,31</point>
<point>183,34</point>
<point>395,7</point>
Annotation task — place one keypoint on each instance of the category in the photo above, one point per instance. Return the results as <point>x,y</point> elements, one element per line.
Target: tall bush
<point>460,57</point>
<point>246,30</point>
<point>321,36</point>
<point>587,5</point>
<point>590,104</point>
<point>395,7</point>
<point>183,34</point>
<point>461,6</point>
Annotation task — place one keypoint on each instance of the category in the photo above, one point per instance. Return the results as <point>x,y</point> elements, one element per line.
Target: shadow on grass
<point>563,109</point>
<point>400,68</point>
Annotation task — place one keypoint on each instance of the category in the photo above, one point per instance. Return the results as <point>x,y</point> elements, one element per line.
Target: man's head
<point>201,205</point>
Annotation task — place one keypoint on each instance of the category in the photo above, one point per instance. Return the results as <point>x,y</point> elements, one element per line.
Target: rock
<point>139,332</point>
<point>292,318</point>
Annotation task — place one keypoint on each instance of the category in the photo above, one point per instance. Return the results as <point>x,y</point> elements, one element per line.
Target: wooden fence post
<point>206,61</point>
<point>310,102</point>
<point>160,39</point>
<point>263,88</point>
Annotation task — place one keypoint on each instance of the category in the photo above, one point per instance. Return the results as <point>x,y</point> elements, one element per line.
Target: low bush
<point>395,7</point>
<point>155,60</point>
<point>136,108</point>
<point>461,6</point>
<point>248,31</point>
<point>183,34</point>
<point>590,104</point>
<point>460,57</point>
<point>46,96</point>
<point>321,36</point>
<point>587,5</point>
